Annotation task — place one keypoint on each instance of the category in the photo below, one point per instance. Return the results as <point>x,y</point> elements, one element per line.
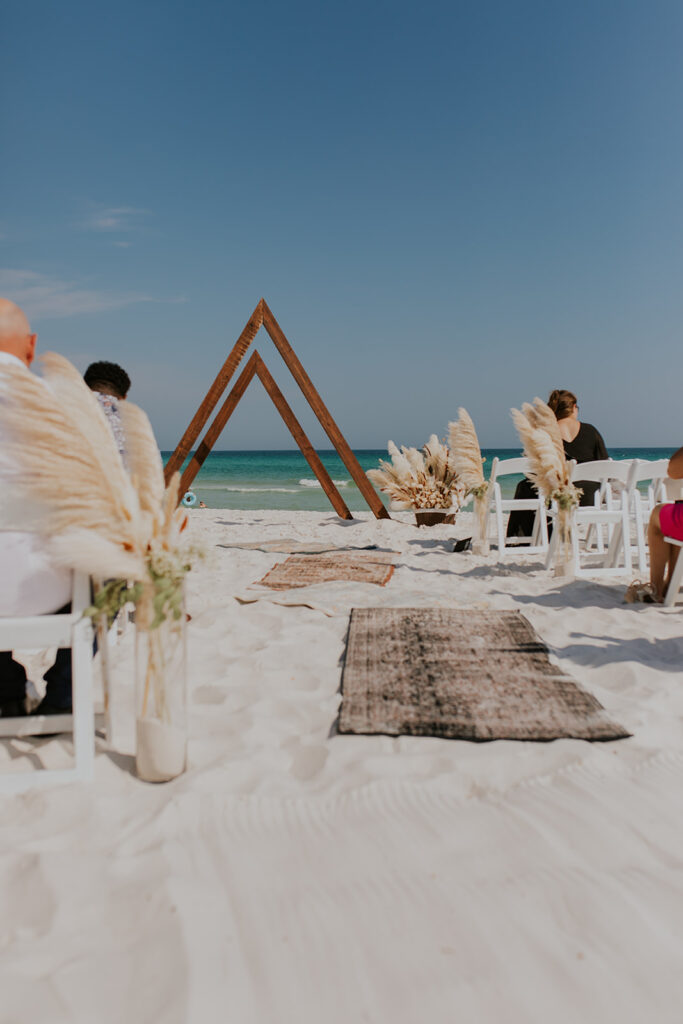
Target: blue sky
<point>444,204</point>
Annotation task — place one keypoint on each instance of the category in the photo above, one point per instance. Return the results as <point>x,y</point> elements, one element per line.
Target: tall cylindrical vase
<point>564,554</point>
<point>160,693</point>
<point>480,540</point>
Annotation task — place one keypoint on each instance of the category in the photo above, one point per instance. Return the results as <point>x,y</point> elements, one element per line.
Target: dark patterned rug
<point>305,570</point>
<point>470,675</point>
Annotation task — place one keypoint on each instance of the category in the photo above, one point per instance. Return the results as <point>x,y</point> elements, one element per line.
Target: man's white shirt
<point>29,584</point>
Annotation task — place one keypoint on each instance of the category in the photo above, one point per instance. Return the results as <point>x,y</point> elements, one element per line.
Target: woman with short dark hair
<point>108,379</point>
<point>111,384</point>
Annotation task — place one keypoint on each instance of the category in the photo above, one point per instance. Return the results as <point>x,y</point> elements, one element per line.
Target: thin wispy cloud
<point>114,218</point>
<point>42,296</point>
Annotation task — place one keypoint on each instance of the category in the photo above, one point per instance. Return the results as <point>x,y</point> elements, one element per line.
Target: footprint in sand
<point>307,762</point>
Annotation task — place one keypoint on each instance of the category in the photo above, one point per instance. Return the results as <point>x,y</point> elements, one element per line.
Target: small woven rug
<point>305,570</point>
<point>470,675</point>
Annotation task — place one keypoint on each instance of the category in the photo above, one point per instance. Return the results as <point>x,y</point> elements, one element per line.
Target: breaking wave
<point>307,482</point>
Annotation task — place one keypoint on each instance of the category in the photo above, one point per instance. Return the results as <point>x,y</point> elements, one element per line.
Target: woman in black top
<point>581,442</point>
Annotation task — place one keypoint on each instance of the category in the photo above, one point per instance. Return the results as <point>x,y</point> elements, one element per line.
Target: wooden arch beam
<point>216,428</point>
<point>214,393</point>
<point>256,367</point>
<point>322,412</point>
<point>262,316</point>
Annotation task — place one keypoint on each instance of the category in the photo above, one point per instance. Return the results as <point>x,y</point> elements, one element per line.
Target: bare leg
<point>674,552</point>
<point>660,553</point>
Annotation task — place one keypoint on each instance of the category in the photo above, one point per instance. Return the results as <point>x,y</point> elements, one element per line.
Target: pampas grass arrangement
<point>98,519</point>
<point>468,464</point>
<point>125,529</point>
<point>543,446</point>
<point>72,471</point>
<point>415,479</point>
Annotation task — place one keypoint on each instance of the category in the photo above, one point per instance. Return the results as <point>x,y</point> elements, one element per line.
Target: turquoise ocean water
<point>284,480</point>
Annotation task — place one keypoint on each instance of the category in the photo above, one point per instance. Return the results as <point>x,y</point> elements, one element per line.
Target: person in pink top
<point>665,521</point>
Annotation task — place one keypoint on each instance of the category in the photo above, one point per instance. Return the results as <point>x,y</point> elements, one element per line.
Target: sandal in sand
<point>641,593</point>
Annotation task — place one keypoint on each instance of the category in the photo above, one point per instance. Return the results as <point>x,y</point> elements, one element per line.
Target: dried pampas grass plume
<point>469,467</point>
<point>69,388</point>
<point>401,466</point>
<point>144,457</point>
<point>548,467</point>
<point>55,430</point>
<point>415,479</point>
<point>541,416</point>
<point>466,452</point>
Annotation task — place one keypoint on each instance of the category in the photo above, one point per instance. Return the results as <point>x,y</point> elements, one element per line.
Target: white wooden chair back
<point>42,631</point>
<point>600,514</point>
<point>641,504</point>
<point>509,467</point>
<point>656,472</point>
<point>613,476</point>
<point>605,470</point>
<point>652,469</point>
<point>538,540</point>
<point>673,489</point>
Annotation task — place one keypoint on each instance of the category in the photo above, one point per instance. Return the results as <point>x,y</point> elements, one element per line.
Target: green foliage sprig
<point>112,597</point>
<point>166,570</point>
<point>567,496</point>
<point>480,491</point>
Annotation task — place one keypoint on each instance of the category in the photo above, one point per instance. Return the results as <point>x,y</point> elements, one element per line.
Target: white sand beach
<point>292,874</point>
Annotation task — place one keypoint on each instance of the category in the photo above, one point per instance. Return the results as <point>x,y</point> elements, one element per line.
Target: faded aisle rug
<point>305,570</point>
<point>460,674</point>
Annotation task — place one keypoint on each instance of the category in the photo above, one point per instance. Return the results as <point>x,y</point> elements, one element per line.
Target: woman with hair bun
<point>582,442</point>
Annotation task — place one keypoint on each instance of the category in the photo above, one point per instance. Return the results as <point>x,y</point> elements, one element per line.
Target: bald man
<point>29,584</point>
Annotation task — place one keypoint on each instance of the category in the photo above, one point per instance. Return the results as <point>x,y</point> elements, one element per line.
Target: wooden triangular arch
<point>262,317</point>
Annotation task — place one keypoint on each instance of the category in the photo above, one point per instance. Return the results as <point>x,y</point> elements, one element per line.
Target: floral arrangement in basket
<point>415,479</point>
<point>544,448</point>
<point>123,527</point>
<point>469,464</point>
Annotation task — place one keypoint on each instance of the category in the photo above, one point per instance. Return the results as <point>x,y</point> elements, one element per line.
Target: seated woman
<point>665,521</point>
<point>582,442</point>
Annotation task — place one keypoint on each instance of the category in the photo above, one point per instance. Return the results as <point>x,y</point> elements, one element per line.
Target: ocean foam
<point>264,490</point>
<point>306,482</point>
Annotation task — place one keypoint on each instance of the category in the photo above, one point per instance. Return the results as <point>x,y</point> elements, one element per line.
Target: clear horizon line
<point>485,448</point>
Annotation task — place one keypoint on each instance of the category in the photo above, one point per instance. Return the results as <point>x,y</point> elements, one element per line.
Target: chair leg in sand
<point>674,587</point>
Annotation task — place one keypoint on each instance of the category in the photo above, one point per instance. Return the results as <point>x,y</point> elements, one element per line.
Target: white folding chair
<point>42,631</point>
<point>609,495</point>
<point>641,504</point>
<point>538,539</point>
<point>605,512</point>
<point>672,490</point>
